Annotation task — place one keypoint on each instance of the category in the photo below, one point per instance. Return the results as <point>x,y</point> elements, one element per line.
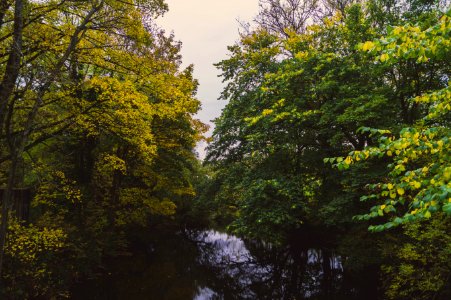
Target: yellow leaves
<point>267,112</point>
<point>444,20</point>
<point>447,174</point>
<point>302,55</point>
<point>27,243</point>
<point>328,22</point>
<point>389,153</point>
<point>422,59</point>
<point>367,46</point>
<point>406,135</point>
<point>279,103</point>
<point>253,120</point>
<point>121,88</point>
<point>165,207</point>
<point>397,30</point>
<point>57,187</point>
<point>124,112</point>
<point>109,163</point>
<point>348,160</point>
<point>59,174</point>
<point>136,204</point>
<point>384,57</point>
<point>415,29</point>
<point>393,194</point>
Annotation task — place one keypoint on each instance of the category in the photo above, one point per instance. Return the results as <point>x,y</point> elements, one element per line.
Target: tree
<point>418,182</point>
<point>17,142</point>
<point>98,77</point>
<point>287,113</point>
<point>281,17</point>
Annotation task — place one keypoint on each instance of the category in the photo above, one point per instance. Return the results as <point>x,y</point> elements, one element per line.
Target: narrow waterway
<point>207,264</point>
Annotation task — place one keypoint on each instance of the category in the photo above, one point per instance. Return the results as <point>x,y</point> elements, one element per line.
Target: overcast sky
<point>206,28</point>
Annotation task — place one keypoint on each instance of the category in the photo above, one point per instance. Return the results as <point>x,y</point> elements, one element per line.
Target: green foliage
<point>419,268</point>
<point>269,210</point>
<point>297,99</point>
<point>418,185</point>
<point>99,116</point>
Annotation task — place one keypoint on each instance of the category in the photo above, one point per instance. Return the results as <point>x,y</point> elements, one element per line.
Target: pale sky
<point>206,28</point>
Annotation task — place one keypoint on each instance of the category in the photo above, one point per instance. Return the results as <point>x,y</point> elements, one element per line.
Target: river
<point>208,264</point>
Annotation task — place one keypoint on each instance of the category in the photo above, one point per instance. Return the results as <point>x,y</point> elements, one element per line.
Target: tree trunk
<point>6,90</point>
<point>6,203</point>
<point>13,64</point>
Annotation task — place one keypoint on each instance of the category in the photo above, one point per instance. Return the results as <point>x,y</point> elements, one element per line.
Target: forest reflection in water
<point>207,264</point>
<point>256,269</point>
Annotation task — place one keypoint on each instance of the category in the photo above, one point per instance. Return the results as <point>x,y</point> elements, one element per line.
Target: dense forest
<point>336,128</point>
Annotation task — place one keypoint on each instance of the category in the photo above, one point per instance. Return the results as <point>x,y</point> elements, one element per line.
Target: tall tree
<point>286,113</point>
<point>100,77</point>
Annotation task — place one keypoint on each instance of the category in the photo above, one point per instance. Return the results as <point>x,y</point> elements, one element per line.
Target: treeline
<point>96,119</point>
<point>338,121</point>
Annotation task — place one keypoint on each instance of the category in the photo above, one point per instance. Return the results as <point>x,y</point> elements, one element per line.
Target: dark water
<point>208,264</point>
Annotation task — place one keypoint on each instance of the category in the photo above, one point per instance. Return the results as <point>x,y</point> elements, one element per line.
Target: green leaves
<point>447,208</point>
<point>421,169</point>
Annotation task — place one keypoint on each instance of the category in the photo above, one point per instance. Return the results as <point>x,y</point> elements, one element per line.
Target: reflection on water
<point>205,294</point>
<point>208,264</point>
<point>255,270</point>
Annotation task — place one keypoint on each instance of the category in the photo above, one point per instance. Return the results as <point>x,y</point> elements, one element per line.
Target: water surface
<point>207,264</point>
